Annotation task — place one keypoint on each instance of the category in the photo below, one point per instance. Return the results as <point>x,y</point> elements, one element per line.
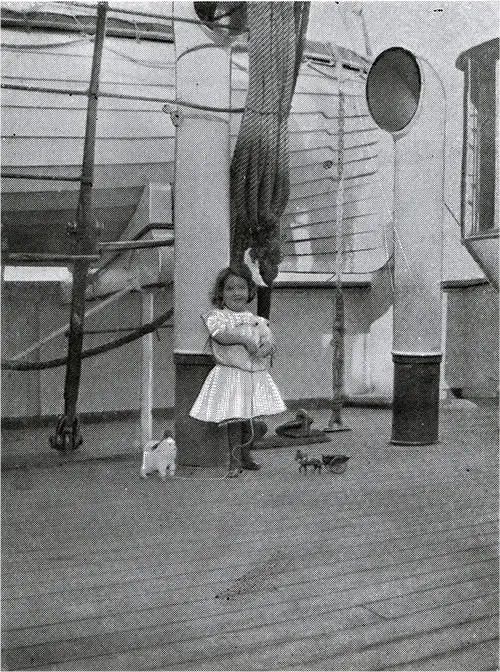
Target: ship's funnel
<point>406,98</point>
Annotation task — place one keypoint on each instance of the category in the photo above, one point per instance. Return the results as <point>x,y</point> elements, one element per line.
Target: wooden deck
<point>392,565</point>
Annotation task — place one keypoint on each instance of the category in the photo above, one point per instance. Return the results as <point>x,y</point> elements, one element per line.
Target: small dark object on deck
<point>67,437</point>
<point>296,432</point>
<point>335,463</point>
<point>299,427</point>
<point>305,461</point>
<point>259,429</point>
<point>337,427</point>
<point>274,441</point>
<point>259,577</point>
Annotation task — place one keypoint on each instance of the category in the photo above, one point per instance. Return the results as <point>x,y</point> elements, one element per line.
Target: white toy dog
<point>256,328</point>
<point>159,456</point>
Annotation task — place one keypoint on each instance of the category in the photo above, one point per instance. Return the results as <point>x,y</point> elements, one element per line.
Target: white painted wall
<point>302,323</point>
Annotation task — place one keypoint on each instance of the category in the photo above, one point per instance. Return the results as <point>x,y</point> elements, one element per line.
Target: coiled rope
<point>260,181</point>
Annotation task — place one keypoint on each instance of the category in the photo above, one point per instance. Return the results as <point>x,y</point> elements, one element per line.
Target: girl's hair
<point>241,270</point>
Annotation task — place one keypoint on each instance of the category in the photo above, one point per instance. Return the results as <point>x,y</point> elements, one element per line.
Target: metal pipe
<point>147,312</point>
<point>32,176</point>
<point>122,96</point>
<point>87,30</point>
<point>406,98</point>
<point>36,257</point>
<point>133,244</point>
<point>121,330</point>
<point>464,146</point>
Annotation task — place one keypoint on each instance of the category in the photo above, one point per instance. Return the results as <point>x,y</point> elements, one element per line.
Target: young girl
<point>239,387</point>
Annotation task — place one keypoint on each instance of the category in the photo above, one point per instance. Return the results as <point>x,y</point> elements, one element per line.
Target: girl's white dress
<point>239,386</point>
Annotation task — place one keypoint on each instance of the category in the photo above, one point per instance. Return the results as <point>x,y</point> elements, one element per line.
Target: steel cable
<point>12,365</point>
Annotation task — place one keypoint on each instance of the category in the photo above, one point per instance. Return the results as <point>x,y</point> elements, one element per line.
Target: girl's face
<point>235,293</point>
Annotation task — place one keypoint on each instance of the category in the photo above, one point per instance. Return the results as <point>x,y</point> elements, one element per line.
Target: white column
<point>201,203</point>
<point>201,223</point>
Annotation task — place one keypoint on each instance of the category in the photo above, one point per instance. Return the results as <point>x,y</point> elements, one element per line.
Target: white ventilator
<point>406,98</point>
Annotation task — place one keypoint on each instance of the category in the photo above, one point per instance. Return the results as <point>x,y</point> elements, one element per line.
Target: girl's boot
<point>247,440</point>
<point>233,434</point>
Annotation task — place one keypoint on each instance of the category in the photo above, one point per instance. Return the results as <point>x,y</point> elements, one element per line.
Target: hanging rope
<point>13,365</point>
<point>260,182</point>
<point>338,325</point>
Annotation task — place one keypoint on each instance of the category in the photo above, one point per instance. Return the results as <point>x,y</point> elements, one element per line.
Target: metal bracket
<point>175,114</point>
<point>71,228</point>
<point>67,437</point>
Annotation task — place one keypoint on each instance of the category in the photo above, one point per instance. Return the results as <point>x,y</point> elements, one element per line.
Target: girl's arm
<point>230,336</point>
<point>268,344</point>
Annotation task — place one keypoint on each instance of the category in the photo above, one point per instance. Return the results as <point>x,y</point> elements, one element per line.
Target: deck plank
<point>360,648</point>
<point>344,584</point>
<point>392,565</point>
<point>175,546</point>
<point>21,635</point>
<point>291,573</point>
<point>419,646</point>
<point>54,576</point>
<point>470,656</point>
<point>339,538</point>
<point>197,552</point>
<point>291,645</point>
<point>228,510</point>
<point>66,617</point>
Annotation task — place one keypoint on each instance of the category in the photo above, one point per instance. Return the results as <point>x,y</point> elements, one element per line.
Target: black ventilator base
<point>415,411</point>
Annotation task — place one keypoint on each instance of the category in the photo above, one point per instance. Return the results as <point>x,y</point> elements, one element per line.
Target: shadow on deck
<point>392,565</point>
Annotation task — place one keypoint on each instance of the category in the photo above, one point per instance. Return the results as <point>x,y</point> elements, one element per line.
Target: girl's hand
<point>264,350</point>
<point>251,346</point>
